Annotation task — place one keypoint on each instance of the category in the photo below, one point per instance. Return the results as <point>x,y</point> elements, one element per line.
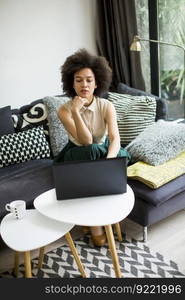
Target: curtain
<point>116,27</point>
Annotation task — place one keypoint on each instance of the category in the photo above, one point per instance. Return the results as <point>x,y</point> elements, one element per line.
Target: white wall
<point>36,37</point>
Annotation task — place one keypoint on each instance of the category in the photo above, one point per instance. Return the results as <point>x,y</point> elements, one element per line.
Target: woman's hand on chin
<point>78,103</point>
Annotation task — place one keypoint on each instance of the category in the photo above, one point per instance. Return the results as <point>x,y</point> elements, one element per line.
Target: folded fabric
<point>156,176</point>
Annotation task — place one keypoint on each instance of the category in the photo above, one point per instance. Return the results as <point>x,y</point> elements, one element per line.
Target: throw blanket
<point>156,176</point>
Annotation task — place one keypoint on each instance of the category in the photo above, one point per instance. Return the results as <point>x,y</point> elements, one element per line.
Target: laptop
<point>76,179</point>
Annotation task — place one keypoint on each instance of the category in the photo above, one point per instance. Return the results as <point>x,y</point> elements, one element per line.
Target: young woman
<point>89,120</point>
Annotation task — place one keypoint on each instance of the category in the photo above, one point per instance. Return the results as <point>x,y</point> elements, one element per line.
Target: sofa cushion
<point>25,181</point>
<point>23,146</point>
<point>57,133</point>
<point>158,143</point>
<point>158,196</point>
<point>6,123</point>
<point>134,114</point>
<point>161,104</point>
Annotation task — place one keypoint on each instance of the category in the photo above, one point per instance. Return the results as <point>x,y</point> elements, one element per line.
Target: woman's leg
<point>90,152</point>
<point>98,235</point>
<point>124,153</point>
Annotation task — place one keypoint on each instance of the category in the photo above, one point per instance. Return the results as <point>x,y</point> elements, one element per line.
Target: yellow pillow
<point>156,176</point>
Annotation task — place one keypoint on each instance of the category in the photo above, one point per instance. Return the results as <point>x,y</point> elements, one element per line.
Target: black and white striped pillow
<point>134,114</point>
<point>23,146</point>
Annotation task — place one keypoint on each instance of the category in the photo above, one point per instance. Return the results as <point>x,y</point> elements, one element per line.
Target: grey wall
<point>36,37</point>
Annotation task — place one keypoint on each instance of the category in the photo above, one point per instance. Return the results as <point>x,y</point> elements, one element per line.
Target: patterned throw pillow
<point>161,104</point>
<point>134,114</point>
<point>57,133</point>
<point>6,123</point>
<point>23,146</point>
<point>30,116</point>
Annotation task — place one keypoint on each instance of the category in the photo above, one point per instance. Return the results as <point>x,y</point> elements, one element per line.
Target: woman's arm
<point>113,132</point>
<point>74,123</point>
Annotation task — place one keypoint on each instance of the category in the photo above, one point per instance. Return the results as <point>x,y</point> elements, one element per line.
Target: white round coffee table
<point>32,232</point>
<point>90,211</point>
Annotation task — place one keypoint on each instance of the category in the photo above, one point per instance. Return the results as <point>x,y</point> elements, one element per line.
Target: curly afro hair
<point>83,59</point>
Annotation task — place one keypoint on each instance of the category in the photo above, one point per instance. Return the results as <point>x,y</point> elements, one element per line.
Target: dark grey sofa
<point>29,179</point>
<point>153,205</point>
<point>26,180</point>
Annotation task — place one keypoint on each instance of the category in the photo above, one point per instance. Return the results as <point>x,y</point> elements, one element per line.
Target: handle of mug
<point>7,206</point>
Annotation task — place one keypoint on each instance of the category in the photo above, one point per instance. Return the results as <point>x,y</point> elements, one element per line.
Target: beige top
<point>94,118</point>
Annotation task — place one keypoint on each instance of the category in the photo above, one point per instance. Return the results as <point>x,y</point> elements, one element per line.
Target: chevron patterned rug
<point>136,260</point>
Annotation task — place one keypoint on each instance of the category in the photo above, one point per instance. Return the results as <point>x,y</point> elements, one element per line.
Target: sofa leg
<point>145,234</point>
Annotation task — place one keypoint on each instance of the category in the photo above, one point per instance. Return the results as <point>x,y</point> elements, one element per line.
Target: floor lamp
<point>136,46</point>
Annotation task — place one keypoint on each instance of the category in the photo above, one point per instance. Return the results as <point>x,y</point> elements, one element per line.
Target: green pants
<point>90,152</point>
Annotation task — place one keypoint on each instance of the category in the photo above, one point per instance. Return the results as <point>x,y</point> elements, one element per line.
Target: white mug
<point>17,207</point>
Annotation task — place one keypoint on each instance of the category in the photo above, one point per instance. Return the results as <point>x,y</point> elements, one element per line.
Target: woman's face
<point>84,83</point>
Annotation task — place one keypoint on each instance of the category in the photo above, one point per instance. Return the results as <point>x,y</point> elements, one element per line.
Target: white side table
<point>32,232</point>
<point>90,211</point>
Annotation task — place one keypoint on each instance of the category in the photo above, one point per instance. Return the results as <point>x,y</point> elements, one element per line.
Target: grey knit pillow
<point>57,132</point>
<point>158,143</point>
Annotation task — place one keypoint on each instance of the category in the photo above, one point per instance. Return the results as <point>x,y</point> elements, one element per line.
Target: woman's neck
<point>90,101</point>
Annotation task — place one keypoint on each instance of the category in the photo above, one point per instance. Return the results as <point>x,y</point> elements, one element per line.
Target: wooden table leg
<point>118,232</point>
<point>27,264</point>
<point>75,254</point>
<point>112,247</point>
<point>16,263</point>
<point>41,257</point>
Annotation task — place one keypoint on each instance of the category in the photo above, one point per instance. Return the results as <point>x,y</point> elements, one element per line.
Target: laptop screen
<point>76,179</point>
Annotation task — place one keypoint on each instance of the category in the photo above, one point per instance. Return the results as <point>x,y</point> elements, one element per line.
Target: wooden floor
<point>166,237</point>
